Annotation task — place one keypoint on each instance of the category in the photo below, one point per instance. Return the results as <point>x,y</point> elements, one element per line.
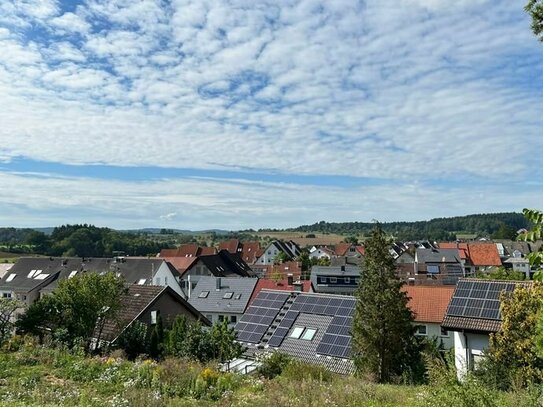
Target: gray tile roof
<point>307,350</point>
<point>60,268</point>
<point>226,264</point>
<point>214,300</point>
<point>438,255</point>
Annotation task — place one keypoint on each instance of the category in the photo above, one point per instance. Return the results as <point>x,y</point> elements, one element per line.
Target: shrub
<point>273,364</point>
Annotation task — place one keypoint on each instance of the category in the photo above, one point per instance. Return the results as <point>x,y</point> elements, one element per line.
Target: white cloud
<point>417,89</point>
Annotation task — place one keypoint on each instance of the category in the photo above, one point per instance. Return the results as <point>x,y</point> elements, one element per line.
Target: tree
<point>224,342</point>
<point>8,306</point>
<point>76,308</point>
<point>501,273</point>
<point>384,344</point>
<point>514,356</point>
<point>535,9</point>
<point>280,257</point>
<point>535,233</point>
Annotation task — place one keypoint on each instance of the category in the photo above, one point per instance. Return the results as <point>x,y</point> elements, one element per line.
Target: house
<point>479,256</point>
<point>290,249</point>
<point>348,250</point>
<point>145,303</point>
<point>4,268</point>
<point>320,252</point>
<point>443,265</point>
<point>473,314</point>
<point>429,305</point>
<point>220,298</point>
<point>32,277</point>
<point>222,264</point>
<point>314,328</point>
<point>188,250</point>
<point>249,251</point>
<point>520,264</point>
<point>335,279</point>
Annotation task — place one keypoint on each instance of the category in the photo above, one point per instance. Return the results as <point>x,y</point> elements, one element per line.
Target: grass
<point>301,239</point>
<point>38,376</point>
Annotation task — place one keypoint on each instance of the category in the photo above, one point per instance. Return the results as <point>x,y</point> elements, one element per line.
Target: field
<point>38,376</point>
<point>301,239</point>
<point>6,257</point>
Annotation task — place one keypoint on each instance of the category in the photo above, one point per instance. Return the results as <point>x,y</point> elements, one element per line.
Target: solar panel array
<point>337,339</point>
<point>259,316</point>
<point>478,299</point>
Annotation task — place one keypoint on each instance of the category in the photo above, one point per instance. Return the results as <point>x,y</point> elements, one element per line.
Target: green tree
<point>505,232</point>
<point>76,308</point>
<point>8,307</point>
<point>501,273</point>
<point>280,257</point>
<point>384,344</point>
<point>535,233</point>
<point>514,355</point>
<point>134,340</point>
<point>535,9</point>
<point>224,342</point>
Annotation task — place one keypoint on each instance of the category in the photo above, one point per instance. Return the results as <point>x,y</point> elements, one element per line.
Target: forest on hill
<point>495,225</point>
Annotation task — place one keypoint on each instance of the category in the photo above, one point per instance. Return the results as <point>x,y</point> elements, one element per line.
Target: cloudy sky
<point>234,114</point>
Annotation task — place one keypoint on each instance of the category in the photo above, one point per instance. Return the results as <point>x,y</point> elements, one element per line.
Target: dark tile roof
<point>214,300</point>
<point>471,324</point>
<point>438,255</point>
<point>134,302</point>
<point>282,285</point>
<point>225,264</point>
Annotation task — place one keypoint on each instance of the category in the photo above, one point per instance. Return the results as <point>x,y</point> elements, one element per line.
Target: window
<point>433,269</point>
<point>157,280</point>
<point>347,280</point>
<point>154,315</point>
<point>233,319</point>
<point>221,318</point>
<point>73,273</point>
<point>166,280</point>
<point>209,317</point>
<point>238,296</point>
<point>297,332</point>
<point>203,294</point>
<point>6,295</point>
<point>444,332</point>
<point>141,281</point>
<point>420,330</point>
<point>323,280</point>
<point>10,277</point>
<point>309,333</point>
<point>333,280</point>
<point>227,295</point>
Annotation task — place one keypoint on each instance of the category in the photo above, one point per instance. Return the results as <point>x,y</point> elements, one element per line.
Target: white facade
<point>269,255</point>
<point>316,253</point>
<point>433,331</point>
<point>468,351</point>
<point>164,277</point>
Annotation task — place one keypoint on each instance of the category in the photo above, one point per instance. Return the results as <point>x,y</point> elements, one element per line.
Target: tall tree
<point>383,331</point>
<point>535,9</point>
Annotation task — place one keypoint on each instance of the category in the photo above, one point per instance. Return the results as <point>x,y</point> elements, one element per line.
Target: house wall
<point>268,255</point>
<point>317,254</point>
<point>168,309</point>
<point>433,330</point>
<point>217,317</point>
<point>468,351</point>
<point>197,270</point>
<point>164,277</point>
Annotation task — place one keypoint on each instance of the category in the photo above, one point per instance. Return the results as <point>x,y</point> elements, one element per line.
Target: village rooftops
<point>222,294</point>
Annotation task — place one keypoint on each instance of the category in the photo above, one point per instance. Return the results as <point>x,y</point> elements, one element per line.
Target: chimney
<point>290,279</point>
<point>342,268</point>
<point>218,283</point>
<point>298,286</point>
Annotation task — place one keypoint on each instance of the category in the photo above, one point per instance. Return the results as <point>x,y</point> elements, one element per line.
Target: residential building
<point>442,265</point>
<point>248,251</point>
<point>290,249</point>
<point>222,298</point>
<point>429,305</point>
<point>222,264</point>
<point>145,303</point>
<point>320,252</point>
<point>335,279</point>
<point>473,314</point>
<point>288,284</point>
<point>188,250</point>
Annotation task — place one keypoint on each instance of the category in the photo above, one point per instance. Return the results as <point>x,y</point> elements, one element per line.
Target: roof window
<point>142,281</point>
<point>237,297</point>
<point>302,332</point>
<point>10,277</point>
<point>297,332</point>
<point>228,295</point>
<point>203,294</point>
<point>73,273</point>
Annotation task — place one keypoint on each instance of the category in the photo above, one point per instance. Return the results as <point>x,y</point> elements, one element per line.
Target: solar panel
<point>478,299</point>
<point>337,339</point>
<point>259,316</point>
<point>283,328</point>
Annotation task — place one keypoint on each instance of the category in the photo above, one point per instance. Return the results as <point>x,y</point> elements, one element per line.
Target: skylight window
<point>297,332</point>
<point>309,333</point>
<point>41,276</point>
<point>228,295</point>
<point>73,273</point>
<point>32,273</point>
<point>142,281</point>
<point>203,294</point>
<point>10,277</point>
<point>238,296</point>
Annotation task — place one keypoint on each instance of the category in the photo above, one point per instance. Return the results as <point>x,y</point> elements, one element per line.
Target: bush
<point>296,370</point>
<point>273,364</point>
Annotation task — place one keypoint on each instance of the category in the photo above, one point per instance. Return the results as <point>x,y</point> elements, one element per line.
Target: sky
<point>252,114</point>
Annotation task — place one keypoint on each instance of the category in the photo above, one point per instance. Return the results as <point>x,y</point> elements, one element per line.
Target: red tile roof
<point>187,250</point>
<point>251,251</point>
<point>206,251</point>
<point>280,285</point>
<point>288,267</point>
<point>429,303</point>
<point>181,264</point>
<point>341,248</point>
<point>484,254</point>
<point>231,245</point>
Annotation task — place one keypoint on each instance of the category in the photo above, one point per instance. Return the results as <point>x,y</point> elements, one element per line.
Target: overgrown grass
<point>38,376</point>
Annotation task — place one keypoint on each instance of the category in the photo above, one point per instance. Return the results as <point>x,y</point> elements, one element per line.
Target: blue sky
<point>237,114</point>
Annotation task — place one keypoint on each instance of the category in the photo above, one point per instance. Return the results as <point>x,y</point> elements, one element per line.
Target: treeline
<point>81,240</point>
<point>496,225</point>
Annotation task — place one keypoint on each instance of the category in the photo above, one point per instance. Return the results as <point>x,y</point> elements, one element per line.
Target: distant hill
<point>481,225</point>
